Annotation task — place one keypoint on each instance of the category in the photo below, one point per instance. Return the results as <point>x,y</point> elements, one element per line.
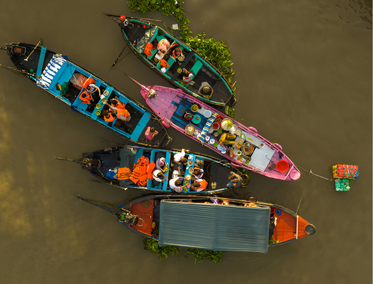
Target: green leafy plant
<point>202,254</point>
<point>152,245</point>
<point>216,52</point>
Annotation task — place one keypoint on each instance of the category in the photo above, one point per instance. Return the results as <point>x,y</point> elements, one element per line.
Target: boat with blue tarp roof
<point>87,94</point>
<point>219,224</point>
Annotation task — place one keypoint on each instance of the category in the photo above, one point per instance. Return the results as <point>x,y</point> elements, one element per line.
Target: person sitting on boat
<point>158,175</point>
<point>225,202</point>
<point>160,163</point>
<point>120,110</point>
<point>86,98</point>
<point>199,185</point>
<point>251,203</point>
<point>180,158</point>
<point>177,53</point>
<point>187,76</point>
<point>91,88</point>
<point>109,115</point>
<point>235,180</point>
<point>198,170</point>
<point>162,47</point>
<point>148,49</point>
<point>150,133</point>
<point>176,181</point>
<point>205,90</point>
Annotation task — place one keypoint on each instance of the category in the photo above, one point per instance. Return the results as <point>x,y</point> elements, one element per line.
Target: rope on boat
<point>16,70</point>
<point>310,171</point>
<point>106,208</point>
<point>301,197</point>
<point>68,159</point>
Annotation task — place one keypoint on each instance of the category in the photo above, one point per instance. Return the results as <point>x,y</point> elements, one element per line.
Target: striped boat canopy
<point>214,226</point>
<point>50,71</point>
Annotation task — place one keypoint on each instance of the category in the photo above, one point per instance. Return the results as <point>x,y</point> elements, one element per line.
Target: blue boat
<point>72,84</point>
<point>170,58</point>
<point>136,167</point>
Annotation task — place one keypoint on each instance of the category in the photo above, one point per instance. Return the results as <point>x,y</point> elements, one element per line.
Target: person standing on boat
<point>150,133</point>
<point>205,90</point>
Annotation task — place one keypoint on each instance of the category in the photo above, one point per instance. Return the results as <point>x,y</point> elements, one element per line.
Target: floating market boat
<point>169,56</point>
<point>219,224</point>
<point>239,144</point>
<point>74,85</point>
<point>137,167</point>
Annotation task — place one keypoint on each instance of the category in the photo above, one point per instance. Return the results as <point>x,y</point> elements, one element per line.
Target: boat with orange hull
<point>220,224</point>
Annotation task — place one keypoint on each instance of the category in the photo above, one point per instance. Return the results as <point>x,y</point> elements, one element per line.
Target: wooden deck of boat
<point>145,211</point>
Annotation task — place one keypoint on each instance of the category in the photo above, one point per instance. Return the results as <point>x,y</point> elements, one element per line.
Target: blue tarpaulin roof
<point>214,227</point>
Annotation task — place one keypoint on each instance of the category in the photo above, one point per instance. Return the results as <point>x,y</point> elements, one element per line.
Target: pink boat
<point>239,144</point>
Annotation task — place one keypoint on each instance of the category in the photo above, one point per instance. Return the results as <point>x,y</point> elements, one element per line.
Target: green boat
<point>175,61</point>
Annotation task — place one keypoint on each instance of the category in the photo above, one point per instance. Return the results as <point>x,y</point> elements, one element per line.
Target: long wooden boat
<point>213,129</point>
<point>127,161</point>
<point>67,81</point>
<point>218,223</point>
<point>139,32</point>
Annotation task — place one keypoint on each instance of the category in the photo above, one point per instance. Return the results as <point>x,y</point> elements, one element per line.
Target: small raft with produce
<point>342,174</point>
<point>85,93</point>
<point>135,167</point>
<point>175,61</point>
<point>219,224</point>
<point>239,144</point>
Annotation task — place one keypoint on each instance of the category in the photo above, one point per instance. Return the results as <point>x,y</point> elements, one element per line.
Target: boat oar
<point>16,70</point>
<point>120,54</point>
<point>40,42</point>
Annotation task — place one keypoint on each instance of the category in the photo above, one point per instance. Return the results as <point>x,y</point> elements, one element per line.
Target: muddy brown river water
<point>304,73</point>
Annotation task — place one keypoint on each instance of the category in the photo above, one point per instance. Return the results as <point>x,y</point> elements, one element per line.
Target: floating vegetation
<point>152,245</point>
<point>202,254</point>
<point>199,254</point>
